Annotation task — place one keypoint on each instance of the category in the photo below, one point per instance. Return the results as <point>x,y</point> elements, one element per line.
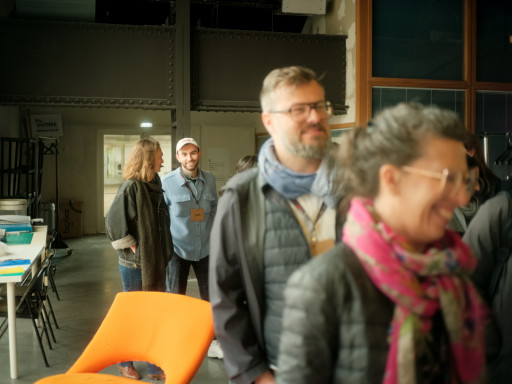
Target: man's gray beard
<point>308,151</point>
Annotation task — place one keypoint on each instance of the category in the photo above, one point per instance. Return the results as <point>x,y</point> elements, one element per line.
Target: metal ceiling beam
<point>182,76</point>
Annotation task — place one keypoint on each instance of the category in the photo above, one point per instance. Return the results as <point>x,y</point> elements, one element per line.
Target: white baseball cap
<point>185,141</point>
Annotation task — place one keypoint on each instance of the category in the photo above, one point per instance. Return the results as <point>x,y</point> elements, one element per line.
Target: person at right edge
<point>394,302</point>
<point>490,237</point>
<point>272,219</point>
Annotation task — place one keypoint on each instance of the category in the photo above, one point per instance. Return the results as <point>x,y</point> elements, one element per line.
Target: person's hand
<point>265,378</point>
<point>133,247</point>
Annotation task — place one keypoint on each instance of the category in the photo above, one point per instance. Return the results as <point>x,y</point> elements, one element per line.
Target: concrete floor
<point>87,281</point>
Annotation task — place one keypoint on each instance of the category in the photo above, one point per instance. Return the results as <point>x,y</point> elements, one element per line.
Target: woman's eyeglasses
<point>300,112</point>
<point>450,181</point>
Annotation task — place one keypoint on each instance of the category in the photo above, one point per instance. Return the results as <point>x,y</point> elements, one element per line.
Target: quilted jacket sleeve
<point>244,359</point>
<point>485,237</point>
<point>120,220</point>
<point>309,339</point>
<point>335,323</point>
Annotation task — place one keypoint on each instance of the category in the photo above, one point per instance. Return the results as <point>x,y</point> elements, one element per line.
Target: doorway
<point>116,149</point>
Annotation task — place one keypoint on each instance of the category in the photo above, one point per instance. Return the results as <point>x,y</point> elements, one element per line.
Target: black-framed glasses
<point>299,112</point>
<point>450,181</point>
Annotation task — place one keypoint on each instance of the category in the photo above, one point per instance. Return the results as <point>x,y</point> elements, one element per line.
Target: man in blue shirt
<point>191,195</point>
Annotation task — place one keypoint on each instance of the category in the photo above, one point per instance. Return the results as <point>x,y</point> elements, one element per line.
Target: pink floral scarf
<point>420,284</point>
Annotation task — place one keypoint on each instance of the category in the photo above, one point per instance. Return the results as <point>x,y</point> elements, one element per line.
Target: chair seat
<point>78,378</point>
<point>169,330</point>
<point>21,310</point>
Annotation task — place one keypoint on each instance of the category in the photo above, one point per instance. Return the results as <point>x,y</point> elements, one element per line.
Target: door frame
<point>100,142</point>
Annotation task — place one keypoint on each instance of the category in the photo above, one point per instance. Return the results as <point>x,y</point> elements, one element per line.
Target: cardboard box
<point>70,218</point>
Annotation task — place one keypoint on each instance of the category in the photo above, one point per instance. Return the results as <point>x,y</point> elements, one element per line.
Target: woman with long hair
<point>138,225</point>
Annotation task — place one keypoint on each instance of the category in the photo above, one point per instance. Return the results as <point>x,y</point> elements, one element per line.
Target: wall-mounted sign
<point>46,125</point>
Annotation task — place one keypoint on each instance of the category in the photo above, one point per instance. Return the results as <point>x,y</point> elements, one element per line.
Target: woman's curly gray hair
<point>395,136</point>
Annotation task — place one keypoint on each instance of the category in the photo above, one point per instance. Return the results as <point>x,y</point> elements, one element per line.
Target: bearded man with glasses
<point>271,220</point>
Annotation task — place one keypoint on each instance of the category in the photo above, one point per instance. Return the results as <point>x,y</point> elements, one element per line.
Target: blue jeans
<point>132,281</point>
<point>177,275</point>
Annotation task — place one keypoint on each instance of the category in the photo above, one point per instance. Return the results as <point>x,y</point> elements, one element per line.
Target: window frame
<point>365,81</point>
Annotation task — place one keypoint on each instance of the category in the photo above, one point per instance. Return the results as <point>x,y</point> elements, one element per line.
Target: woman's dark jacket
<point>139,216</point>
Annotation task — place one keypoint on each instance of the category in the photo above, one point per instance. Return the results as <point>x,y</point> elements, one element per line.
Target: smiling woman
<point>399,276</point>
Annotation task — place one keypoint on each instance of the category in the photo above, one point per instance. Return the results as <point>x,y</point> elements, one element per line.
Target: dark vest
<point>285,250</point>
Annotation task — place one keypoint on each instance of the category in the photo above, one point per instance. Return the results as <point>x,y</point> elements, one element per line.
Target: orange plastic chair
<point>169,330</point>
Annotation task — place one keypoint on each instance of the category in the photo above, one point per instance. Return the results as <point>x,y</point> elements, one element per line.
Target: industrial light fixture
<point>146,124</point>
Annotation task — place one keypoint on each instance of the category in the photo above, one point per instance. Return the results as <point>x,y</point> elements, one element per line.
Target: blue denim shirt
<point>191,238</point>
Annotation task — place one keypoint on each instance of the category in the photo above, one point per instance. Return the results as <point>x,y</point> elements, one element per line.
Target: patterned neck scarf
<point>420,284</point>
<point>288,183</point>
<point>324,183</point>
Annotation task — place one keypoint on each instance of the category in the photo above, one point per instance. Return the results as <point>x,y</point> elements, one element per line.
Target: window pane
<point>493,112</point>
<point>493,41</point>
<point>387,97</point>
<point>420,39</point>
<point>451,99</point>
<point>448,99</point>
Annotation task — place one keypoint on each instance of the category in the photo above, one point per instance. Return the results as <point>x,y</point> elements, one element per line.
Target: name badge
<point>197,214</point>
<point>321,246</point>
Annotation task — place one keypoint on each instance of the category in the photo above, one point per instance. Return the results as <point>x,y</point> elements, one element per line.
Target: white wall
<point>226,145</point>
<point>341,20</point>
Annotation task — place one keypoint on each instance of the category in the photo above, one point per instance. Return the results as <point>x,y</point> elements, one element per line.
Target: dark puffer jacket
<point>331,333</point>
<point>285,250</point>
<point>237,278</point>
<point>485,236</point>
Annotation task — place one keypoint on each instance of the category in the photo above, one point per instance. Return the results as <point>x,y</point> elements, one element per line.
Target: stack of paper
<point>13,267</point>
<point>13,271</point>
<point>14,219</point>
<point>15,223</point>
<point>19,237</point>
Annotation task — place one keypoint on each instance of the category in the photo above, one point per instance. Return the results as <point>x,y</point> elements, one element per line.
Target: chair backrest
<point>28,297</point>
<point>34,292</point>
<point>169,330</point>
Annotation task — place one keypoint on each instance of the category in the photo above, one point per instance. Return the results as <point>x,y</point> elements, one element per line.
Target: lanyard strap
<point>189,189</point>
<point>311,223</point>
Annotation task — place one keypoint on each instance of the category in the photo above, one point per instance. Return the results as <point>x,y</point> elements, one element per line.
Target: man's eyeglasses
<point>450,181</point>
<point>299,112</point>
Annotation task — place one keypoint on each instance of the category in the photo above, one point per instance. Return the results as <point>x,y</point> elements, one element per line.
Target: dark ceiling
<point>252,15</point>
